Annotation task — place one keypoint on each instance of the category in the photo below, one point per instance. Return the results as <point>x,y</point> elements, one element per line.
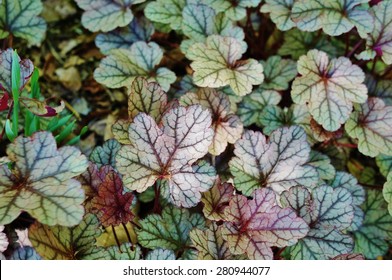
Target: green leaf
<point>122,66</point>
<point>122,38</point>
<point>350,183</point>
<point>371,124</point>
<point>252,106</point>
<point>67,243</point>
<point>372,238</point>
<point>168,231</point>
<point>166,11</point>
<point>235,10</point>
<point>126,252</point>
<point>41,182</point>
<point>200,21</point>
<point>279,163</point>
<point>328,88</point>
<point>210,244</point>
<point>274,117</point>
<point>216,200</point>
<point>106,154</point>
<point>167,152</point>
<point>328,212</point>
<point>106,15</point>
<point>297,43</point>
<point>26,70</point>
<point>21,19</point>
<point>323,165</point>
<point>160,254</point>
<point>380,88</point>
<point>385,164</point>
<point>216,65</point>
<point>280,13</point>
<point>227,126</point>
<point>379,39</point>
<point>387,192</point>
<point>278,73</point>
<point>335,17</point>
<point>254,226</point>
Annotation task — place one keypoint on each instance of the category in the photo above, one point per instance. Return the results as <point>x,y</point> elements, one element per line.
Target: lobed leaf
<point>168,152</point>
<point>373,236</point>
<point>371,125</point>
<point>254,226</point>
<point>350,183</point>
<point>322,164</point>
<point>297,43</point>
<point>105,154</point>
<point>335,17</point>
<point>235,10</point>
<point>106,15</point>
<point>279,163</point>
<point>216,200</point>
<point>328,212</point>
<point>227,126</point>
<point>67,243</point>
<point>328,88</point>
<point>278,73</point>
<point>252,106</point>
<point>274,117</point>
<point>385,164</point>
<point>210,244</point>
<point>379,38</point>
<point>122,66</point>
<point>138,29</point>
<point>166,12</point>
<point>170,230</point>
<point>21,19</point>
<point>280,13</point>
<point>111,203</point>
<point>41,183</point>
<point>200,21</point>
<point>216,64</point>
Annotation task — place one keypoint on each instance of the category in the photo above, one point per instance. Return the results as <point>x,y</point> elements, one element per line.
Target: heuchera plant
<point>246,129</point>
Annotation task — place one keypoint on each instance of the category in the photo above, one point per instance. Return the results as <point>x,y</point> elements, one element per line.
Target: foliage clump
<point>182,129</point>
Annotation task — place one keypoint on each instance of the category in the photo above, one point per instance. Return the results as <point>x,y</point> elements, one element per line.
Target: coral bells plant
<point>210,129</point>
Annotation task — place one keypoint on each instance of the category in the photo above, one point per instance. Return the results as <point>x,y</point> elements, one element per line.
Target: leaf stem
<point>128,236</point>
<point>354,49</point>
<point>116,238</point>
<point>346,145</point>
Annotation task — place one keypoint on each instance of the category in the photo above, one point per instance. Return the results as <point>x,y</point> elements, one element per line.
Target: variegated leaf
<point>41,182</point>
<point>168,152</point>
<point>328,212</point>
<point>371,124</point>
<point>254,226</point>
<point>216,64</point>
<point>279,163</point>
<point>227,126</point>
<point>329,88</point>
